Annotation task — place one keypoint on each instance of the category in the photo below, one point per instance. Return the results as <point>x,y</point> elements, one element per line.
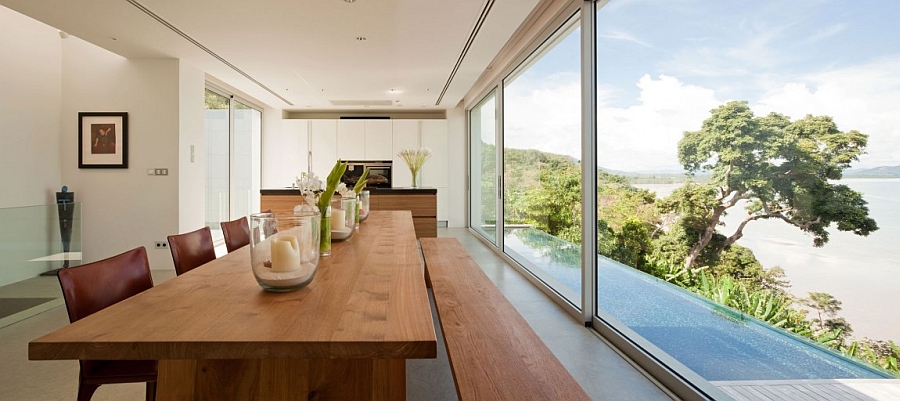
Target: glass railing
<point>32,240</point>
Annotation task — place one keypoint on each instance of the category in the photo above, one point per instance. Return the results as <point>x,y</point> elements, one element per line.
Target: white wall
<point>124,208</point>
<point>457,145</point>
<point>30,77</point>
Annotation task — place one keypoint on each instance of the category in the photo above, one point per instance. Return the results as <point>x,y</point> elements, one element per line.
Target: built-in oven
<point>379,173</point>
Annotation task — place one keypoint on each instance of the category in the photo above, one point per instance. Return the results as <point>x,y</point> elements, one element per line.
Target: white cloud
<point>545,114</point>
<point>645,136</point>
<point>863,97</point>
<point>827,33</point>
<point>619,35</point>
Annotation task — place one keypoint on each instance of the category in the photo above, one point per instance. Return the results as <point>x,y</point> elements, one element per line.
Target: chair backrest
<point>94,286</point>
<point>236,232</point>
<point>192,249</point>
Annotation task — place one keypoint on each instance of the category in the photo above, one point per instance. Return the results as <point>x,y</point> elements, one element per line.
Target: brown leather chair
<point>192,249</point>
<point>94,286</point>
<point>236,232</point>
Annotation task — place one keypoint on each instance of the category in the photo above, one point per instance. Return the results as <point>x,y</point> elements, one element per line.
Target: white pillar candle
<point>338,219</point>
<point>285,254</point>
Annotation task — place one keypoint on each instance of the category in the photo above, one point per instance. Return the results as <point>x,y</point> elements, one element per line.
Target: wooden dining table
<point>219,336</point>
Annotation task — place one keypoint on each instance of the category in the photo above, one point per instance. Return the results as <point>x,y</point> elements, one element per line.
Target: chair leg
<point>86,391</point>
<point>151,391</point>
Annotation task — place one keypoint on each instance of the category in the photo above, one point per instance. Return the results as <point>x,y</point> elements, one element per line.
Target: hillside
<point>876,172</point>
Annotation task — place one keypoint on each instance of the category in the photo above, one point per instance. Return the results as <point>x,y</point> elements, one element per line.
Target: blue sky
<point>662,65</point>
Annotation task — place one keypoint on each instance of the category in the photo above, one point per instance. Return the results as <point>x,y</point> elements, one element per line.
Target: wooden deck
<point>813,390</point>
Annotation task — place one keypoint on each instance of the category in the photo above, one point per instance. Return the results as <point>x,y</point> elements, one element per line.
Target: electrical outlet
<point>162,245</point>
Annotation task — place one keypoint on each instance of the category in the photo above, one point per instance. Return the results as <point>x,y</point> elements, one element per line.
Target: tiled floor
<point>603,373</point>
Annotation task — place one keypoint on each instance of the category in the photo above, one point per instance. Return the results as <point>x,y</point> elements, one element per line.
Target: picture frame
<point>102,140</point>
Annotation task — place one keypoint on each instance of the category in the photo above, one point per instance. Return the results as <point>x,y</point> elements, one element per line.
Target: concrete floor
<point>602,372</point>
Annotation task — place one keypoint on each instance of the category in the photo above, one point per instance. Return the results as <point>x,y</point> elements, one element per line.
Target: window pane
<point>217,164</point>
<point>677,267</point>
<point>483,169</point>
<point>247,123</point>
<point>541,166</point>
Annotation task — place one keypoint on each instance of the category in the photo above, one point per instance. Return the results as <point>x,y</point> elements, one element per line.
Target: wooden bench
<point>494,354</point>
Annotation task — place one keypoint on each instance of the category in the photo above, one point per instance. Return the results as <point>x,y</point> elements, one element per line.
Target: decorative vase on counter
<point>284,249</point>
<point>414,159</point>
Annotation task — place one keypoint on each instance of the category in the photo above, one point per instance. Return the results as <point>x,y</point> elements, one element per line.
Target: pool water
<point>716,342</point>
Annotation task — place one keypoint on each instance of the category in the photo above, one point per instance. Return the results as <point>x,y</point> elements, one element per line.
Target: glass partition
<point>31,240</point>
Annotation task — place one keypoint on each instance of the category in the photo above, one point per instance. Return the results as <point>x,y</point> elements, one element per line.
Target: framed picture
<point>102,140</point>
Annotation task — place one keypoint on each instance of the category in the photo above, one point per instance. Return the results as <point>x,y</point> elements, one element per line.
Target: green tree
<point>782,170</point>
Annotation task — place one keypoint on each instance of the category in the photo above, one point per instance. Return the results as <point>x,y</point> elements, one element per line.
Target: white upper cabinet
<point>351,139</point>
<point>287,157</point>
<point>323,144</point>
<point>406,136</point>
<point>379,139</point>
<point>435,170</point>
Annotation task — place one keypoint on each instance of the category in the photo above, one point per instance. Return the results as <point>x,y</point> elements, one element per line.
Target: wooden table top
<point>368,301</point>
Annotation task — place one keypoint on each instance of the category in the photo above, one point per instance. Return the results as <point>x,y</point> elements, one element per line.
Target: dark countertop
<point>372,191</point>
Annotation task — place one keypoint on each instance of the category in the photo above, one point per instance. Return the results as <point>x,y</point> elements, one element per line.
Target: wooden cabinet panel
<point>422,206</point>
<point>280,203</point>
<point>425,226</point>
<point>419,205</point>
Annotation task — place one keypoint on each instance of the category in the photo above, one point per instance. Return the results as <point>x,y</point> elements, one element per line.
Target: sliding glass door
<point>541,166</point>
<point>232,158</point>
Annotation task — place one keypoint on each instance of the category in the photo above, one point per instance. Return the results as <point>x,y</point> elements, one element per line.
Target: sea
<point>863,273</point>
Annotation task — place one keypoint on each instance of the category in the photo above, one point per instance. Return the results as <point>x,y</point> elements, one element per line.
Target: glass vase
<point>325,232</point>
<point>415,176</point>
<point>284,249</point>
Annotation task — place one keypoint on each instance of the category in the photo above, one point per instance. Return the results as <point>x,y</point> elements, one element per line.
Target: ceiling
<point>305,55</point>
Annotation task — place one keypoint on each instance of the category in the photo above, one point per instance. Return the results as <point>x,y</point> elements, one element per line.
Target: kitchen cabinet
<point>435,170</point>
<point>364,139</point>
<point>351,139</point>
<point>422,203</point>
<point>323,144</point>
<point>379,139</point>
<point>285,159</point>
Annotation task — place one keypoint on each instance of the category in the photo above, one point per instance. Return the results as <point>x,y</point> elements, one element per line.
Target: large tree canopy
<point>783,170</point>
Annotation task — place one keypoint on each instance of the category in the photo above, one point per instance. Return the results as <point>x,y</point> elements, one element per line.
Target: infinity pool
<point>716,342</point>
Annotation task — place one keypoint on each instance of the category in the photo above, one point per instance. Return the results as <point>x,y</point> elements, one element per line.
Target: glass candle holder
<point>343,218</point>
<point>284,249</point>
<point>363,205</point>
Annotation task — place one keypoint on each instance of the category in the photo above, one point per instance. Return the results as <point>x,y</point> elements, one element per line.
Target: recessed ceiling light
<point>113,38</point>
<point>349,1</point>
<point>361,38</point>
